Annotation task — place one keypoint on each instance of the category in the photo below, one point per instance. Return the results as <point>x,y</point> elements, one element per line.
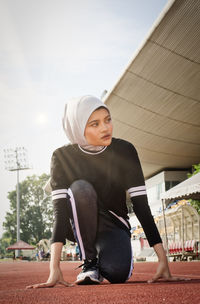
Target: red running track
<point>15,276</point>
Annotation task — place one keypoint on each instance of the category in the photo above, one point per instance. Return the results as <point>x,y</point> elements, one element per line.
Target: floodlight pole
<point>17,165</point>
<point>18,208</point>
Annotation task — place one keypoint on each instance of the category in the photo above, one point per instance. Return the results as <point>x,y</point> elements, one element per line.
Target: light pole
<point>16,160</point>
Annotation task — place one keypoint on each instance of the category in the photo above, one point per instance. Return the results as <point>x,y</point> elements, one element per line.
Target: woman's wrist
<point>54,266</point>
<point>160,252</point>
<point>56,249</point>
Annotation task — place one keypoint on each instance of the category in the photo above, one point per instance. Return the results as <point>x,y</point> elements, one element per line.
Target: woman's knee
<point>115,255</point>
<point>83,192</point>
<point>115,274</point>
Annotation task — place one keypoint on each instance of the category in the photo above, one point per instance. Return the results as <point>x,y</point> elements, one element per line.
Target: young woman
<point>89,181</point>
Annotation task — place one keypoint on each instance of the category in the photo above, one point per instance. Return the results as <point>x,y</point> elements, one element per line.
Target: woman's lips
<point>106,136</point>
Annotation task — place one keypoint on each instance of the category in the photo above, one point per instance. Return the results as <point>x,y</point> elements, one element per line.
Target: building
<point>160,183</point>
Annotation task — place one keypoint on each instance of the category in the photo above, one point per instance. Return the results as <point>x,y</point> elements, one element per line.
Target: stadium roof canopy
<point>190,188</point>
<point>156,102</point>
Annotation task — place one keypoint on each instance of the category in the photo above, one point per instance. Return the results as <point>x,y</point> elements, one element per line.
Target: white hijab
<point>76,114</point>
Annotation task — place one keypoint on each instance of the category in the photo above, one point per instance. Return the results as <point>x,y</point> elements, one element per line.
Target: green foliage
<point>195,203</point>
<point>195,170</point>
<point>36,211</point>
<point>4,243</point>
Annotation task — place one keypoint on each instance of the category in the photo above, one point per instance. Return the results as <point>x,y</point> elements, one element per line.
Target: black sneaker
<point>90,273</point>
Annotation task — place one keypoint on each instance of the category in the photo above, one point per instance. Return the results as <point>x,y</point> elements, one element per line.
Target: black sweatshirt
<point>112,172</point>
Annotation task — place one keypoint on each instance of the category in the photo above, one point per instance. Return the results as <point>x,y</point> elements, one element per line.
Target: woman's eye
<point>108,119</point>
<point>94,124</point>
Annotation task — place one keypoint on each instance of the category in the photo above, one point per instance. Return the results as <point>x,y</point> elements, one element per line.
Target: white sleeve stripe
<point>138,193</point>
<point>57,196</point>
<point>134,189</point>
<point>59,191</point>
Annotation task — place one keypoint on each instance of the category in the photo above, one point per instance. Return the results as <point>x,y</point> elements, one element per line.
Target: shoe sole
<point>87,281</point>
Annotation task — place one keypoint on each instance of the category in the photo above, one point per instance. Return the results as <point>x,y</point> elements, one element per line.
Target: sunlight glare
<point>41,119</point>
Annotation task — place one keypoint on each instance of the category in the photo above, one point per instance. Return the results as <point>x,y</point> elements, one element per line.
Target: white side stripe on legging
<point>76,224</point>
<point>125,223</point>
<point>132,265</point>
<point>120,218</point>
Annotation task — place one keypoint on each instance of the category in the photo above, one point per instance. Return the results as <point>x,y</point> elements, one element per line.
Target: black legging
<point>98,233</point>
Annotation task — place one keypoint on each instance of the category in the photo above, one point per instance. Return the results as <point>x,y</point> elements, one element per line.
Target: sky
<point>51,51</point>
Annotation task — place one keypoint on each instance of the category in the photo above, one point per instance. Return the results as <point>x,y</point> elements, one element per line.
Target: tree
<point>195,203</point>
<point>36,211</point>
<point>4,243</point>
<point>195,170</point>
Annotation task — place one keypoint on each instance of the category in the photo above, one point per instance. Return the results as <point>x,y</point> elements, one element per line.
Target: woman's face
<point>98,130</point>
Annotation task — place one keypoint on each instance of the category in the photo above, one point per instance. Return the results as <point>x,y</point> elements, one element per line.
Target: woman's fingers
<point>65,283</point>
<point>154,279</point>
<point>169,279</point>
<point>41,285</point>
<point>48,285</point>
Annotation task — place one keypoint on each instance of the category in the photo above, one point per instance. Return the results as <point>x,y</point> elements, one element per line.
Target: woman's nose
<point>104,127</point>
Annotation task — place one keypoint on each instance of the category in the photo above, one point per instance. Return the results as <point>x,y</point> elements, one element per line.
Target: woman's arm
<point>55,276</point>
<point>60,211</point>
<point>163,271</point>
<point>135,184</point>
<point>56,249</point>
<point>163,266</point>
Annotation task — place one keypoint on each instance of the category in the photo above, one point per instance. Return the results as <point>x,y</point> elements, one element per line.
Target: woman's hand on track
<point>163,273</point>
<point>55,278</point>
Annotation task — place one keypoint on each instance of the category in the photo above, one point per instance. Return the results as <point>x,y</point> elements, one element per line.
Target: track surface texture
<point>15,276</point>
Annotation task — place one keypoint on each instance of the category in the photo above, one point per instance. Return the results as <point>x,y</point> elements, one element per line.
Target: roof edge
<point>139,49</point>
